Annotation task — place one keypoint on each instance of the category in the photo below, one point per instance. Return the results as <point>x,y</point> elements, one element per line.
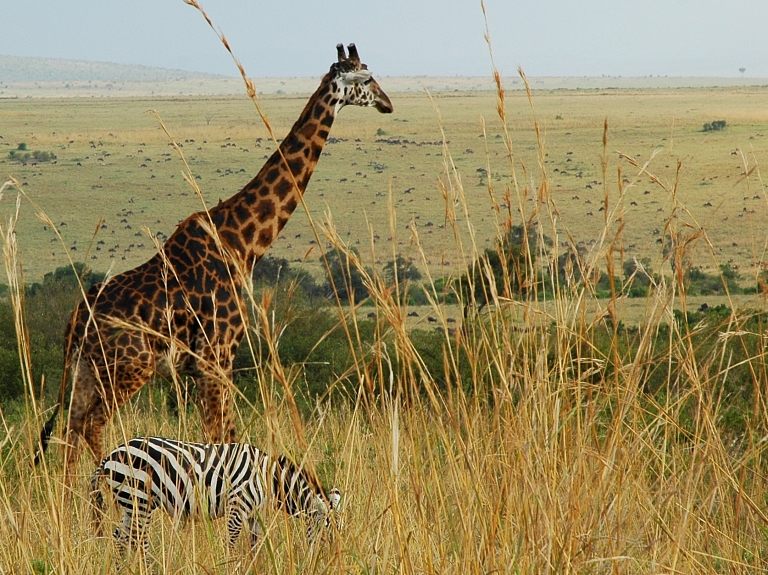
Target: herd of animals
<point>181,312</point>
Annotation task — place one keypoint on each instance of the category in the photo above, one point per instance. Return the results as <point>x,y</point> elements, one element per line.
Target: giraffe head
<point>355,84</point>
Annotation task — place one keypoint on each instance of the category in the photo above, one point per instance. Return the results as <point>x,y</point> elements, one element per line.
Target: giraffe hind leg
<point>84,397</point>
<point>95,399</point>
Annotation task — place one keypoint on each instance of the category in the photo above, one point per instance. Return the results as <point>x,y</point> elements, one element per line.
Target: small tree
<point>342,275</point>
<point>512,265</point>
<point>271,270</point>
<point>637,281</point>
<point>402,271</point>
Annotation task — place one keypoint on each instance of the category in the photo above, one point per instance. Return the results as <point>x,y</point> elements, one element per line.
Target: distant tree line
<point>312,335</point>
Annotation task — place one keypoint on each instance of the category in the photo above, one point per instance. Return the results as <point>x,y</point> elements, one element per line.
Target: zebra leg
<point>254,523</point>
<point>131,534</point>
<point>122,534</point>
<point>314,526</point>
<point>234,525</point>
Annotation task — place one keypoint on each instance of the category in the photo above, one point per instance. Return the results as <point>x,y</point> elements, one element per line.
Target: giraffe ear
<point>357,76</point>
<point>340,52</point>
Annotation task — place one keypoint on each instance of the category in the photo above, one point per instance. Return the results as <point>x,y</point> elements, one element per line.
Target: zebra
<point>232,480</point>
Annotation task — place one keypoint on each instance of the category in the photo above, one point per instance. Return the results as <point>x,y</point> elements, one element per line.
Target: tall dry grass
<point>554,459</point>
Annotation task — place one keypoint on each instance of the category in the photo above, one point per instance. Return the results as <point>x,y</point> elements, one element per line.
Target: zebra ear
<point>334,498</point>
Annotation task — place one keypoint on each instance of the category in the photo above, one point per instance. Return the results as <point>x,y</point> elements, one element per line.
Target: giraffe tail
<point>97,499</point>
<point>47,430</point>
<point>45,436</point>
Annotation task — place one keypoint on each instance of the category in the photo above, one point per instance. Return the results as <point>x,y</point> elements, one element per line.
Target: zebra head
<point>325,510</point>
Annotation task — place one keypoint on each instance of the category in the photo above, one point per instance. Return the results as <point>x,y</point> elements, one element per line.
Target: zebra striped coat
<point>233,480</point>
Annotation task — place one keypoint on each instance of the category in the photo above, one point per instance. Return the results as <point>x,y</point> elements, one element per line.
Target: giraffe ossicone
<point>182,310</point>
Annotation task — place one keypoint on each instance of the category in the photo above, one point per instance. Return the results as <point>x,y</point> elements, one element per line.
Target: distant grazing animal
<point>233,480</point>
<point>182,310</point>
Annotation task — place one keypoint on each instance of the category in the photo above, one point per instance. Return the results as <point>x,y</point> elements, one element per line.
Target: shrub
<point>402,271</point>
<point>47,307</point>
<point>510,262</point>
<point>702,283</point>
<point>636,282</point>
<point>445,288</point>
<point>344,276</point>
<point>273,271</point>
<point>714,126</point>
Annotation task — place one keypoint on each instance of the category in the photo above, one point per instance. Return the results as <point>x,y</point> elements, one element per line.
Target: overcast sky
<point>402,37</point>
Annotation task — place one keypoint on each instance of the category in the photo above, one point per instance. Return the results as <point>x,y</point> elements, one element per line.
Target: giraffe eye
<point>368,81</point>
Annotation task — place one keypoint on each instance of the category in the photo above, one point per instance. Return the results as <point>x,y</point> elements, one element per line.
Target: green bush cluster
<point>312,341</point>
<point>47,307</point>
<point>23,156</point>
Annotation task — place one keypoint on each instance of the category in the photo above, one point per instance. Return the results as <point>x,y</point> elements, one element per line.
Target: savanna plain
<point>581,401</point>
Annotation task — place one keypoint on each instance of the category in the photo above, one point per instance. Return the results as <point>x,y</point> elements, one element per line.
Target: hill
<point>26,69</point>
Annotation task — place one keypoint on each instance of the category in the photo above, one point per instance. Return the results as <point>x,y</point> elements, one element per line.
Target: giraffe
<point>182,310</point>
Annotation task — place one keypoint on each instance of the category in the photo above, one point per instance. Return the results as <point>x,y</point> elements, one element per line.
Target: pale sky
<point>402,37</point>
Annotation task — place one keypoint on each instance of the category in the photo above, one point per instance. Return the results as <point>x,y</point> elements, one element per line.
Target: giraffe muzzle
<point>383,104</point>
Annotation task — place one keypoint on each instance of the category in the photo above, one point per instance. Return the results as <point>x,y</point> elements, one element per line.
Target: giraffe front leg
<point>215,399</point>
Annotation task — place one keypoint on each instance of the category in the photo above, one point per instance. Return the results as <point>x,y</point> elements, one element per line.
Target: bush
<point>702,283</point>
<point>445,288</point>
<point>313,341</point>
<point>271,271</point>
<point>342,275</point>
<point>511,262</point>
<point>404,272</point>
<point>637,283</point>
<point>47,307</point>
<point>714,126</point>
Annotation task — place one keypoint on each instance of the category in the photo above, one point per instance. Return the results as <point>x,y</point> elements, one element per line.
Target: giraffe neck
<point>249,221</point>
